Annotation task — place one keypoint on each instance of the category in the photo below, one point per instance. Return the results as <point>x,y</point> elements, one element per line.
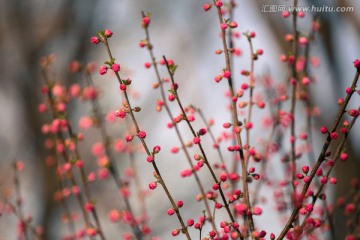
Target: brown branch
<point>112,168</point>
<point>182,142</point>
<point>321,158</point>
<point>158,174</point>
<point>235,122</point>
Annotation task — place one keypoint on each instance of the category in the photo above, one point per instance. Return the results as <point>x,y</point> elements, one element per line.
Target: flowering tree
<point>228,170</point>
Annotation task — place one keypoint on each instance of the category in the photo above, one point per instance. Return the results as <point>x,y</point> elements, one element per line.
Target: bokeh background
<point>182,31</point>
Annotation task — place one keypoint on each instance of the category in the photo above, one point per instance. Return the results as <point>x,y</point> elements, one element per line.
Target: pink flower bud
<point>299,176</point>
<point>103,173</point>
<point>223,224</point>
<point>120,113</point>
<point>79,163</point>
<point>333,180</point>
<point>218,3</point>
<point>309,207</point>
<point>207,7</point>
<point>272,236</point>
<point>323,130</point>
<point>128,138</point>
<point>334,135</point>
<point>248,125</point>
<point>302,211</point>
<point>196,140</point>
<point>94,40</point>
<point>305,81</point>
<point>260,104</point>
<point>343,156</point>
<point>218,78</point>
<point>330,162</point>
<point>152,185</point>
<point>283,58</point>
<point>343,130</point>
<point>180,204</point>
<point>340,101</point>
<point>223,177</point>
<point>285,14</point>
<point>122,87</point>
<point>197,225</point>
<point>170,62</point>
<point>75,190</point>
<point>156,149</point>
<point>174,150</point>
<point>305,169</point>
<point>353,113</point>
<point>58,90</point>
<point>91,232</point>
<point>357,63</point>
<point>252,152</point>
<point>147,65</point>
<point>289,37</point>
<point>89,207</point>
<point>227,125</point>
<point>306,179</point>
<point>171,97</point>
<point>324,180</point>
<point>348,90</point>
<point>115,67</point>
<point>142,43</point>
<point>108,33</point>
<point>42,108</point>
<point>141,134</point>
<point>202,131</point>
<point>237,52</point>
<point>114,215</point>
<point>303,40</point>
<point>91,177</point>
<point>256,210</point>
<point>244,86</point>
<point>170,211</point>
<point>235,225</point>
<point>150,159</point>
<point>233,24</point>
<point>102,70</point>
<point>350,208</point>
<point>226,74</point>
<point>223,26</point>
<point>145,21</point>
<point>191,118</point>
<point>190,222</point>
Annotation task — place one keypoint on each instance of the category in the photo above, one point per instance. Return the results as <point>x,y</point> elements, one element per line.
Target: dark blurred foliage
<point>29,30</point>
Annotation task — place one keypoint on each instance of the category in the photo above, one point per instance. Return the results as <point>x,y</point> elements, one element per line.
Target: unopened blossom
<point>102,70</point>
<point>94,40</point>
<point>115,67</point>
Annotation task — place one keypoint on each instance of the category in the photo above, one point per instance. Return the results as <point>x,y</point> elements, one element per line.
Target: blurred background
<point>182,31</point>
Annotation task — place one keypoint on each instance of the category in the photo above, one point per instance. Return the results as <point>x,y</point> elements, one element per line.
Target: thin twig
<point>321,158</point>
<point>158,174</point>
